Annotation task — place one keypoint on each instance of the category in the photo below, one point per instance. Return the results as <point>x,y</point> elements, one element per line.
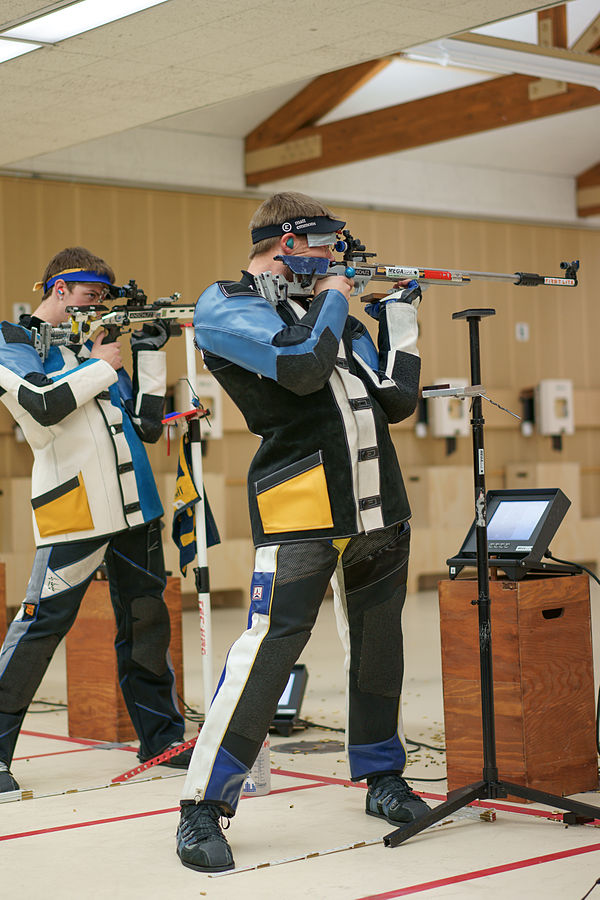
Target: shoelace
<point>205,821</point>
<point>392,786</point>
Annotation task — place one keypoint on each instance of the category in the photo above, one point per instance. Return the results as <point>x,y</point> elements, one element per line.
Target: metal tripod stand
<point>491,786</point>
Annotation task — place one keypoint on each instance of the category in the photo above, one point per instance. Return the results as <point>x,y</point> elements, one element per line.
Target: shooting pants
<point>59,579</point>
<point>368,573</point>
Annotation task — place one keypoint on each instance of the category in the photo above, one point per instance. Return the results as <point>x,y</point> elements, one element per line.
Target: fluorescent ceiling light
<point>77,18</point>
<point>448,52</point>
<point>12,49</point>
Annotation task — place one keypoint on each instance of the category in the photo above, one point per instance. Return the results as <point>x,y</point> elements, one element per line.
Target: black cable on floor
<point>419,744</point>
<point>190,714</point>
<point>54,707</point>
<point>416,744</point>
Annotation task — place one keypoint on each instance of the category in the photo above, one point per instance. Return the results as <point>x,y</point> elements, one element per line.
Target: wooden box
<point>96,708</point>
<point>543,683</point>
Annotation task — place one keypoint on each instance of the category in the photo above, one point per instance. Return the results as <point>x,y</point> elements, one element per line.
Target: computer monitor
<point>288,707</point>
<point>520,526</point>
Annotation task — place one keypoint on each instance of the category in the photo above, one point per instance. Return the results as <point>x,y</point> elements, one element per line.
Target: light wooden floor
<point>309,838</point>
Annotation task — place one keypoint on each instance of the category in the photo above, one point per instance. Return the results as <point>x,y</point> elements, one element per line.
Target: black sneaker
<point>389,797</point>
<point>179,761</point>
<point>201,844</point>
<point>7,782</point>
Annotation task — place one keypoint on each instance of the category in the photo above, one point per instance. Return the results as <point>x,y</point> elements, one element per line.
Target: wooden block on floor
<point>96,708</point>
<point>544,694</point>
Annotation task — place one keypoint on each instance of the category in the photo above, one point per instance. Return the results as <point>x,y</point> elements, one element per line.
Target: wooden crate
<point>96,708</point>
<point>543,683</point>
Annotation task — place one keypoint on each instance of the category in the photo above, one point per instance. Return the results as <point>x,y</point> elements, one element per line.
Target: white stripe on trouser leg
<point>237,669</point>
<point>343,629</point>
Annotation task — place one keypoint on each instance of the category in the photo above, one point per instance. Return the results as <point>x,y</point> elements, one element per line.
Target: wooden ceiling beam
<point>589,41</point>
<point>588,192</point>
<point>552,27</point>
<point>469,110</point>
<point>312,103</point>
<point>552,32</point>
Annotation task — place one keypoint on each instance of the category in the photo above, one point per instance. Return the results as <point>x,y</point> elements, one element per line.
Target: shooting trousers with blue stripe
<point>59,579</point>
<point>327,502</point>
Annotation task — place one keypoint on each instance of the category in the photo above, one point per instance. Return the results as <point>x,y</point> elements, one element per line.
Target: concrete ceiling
<point>187,55</point>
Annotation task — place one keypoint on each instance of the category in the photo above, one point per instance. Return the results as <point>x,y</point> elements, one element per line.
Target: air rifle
<point>84,320</point>
<point>306,270</point>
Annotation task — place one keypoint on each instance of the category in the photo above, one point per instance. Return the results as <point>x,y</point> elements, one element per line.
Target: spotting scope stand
<point>491,786</point>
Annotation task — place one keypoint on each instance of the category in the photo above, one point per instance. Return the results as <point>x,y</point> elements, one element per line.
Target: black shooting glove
<point>153,335</point>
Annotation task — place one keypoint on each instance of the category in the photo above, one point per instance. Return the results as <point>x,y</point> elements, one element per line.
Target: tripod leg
<point>461,797</point>
<point>584,810</point>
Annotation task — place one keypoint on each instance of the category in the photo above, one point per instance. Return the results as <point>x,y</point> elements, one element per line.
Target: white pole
<point>203,585</point>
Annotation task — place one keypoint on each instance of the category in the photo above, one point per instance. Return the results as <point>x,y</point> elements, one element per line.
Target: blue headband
<point>81,275</point>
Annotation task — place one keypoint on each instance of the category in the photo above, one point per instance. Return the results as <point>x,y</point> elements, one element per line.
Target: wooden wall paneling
<point>232,234</point>
<point>3,617</point>
<point>559,474</point>
<point>567,246</point>
<point>15,516</point>
<point>7,424</point>
<point>551,309</point>
<point>237,517</point>
<point>590,490</point>
<point>239,450</point>
<point>584,307</point>
<point>166,250</point>
<point>174,240</point>
<point>22,254</point>
<point>62,214</point>
<point>212,455</point>
<point>132,229</point>
<point>4,275</point>
<point>202,253</point>
<point>16,459</point>
<point>96,217</point>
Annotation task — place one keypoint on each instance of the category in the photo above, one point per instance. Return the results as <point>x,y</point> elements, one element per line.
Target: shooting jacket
<point>313,385</point>
<point>85,423</point>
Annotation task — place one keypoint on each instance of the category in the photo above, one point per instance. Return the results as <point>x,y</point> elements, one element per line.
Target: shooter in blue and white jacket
<point>327,501</point>
<point>94,500</point>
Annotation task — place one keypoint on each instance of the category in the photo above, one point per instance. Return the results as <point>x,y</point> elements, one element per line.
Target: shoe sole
<point>397,822</point>
<point>209,869</point>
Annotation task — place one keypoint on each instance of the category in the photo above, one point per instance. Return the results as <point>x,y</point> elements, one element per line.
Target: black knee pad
<point>266,683</point>
<point>150,633</point>
<point>381,666</point>
<point>24,672</point>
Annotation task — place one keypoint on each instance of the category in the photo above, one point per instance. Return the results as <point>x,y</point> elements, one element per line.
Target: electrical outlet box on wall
<point>554,406</point>
<point>449,416</point>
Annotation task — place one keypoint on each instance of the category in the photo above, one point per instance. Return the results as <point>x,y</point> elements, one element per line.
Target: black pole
<point>490,770</point>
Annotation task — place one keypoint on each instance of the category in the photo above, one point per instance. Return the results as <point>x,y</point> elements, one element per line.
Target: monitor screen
<point>515,520</point>
<point>284,700</point>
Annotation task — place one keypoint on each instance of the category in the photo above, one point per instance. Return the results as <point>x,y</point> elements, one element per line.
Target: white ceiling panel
<point>187,54</point>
